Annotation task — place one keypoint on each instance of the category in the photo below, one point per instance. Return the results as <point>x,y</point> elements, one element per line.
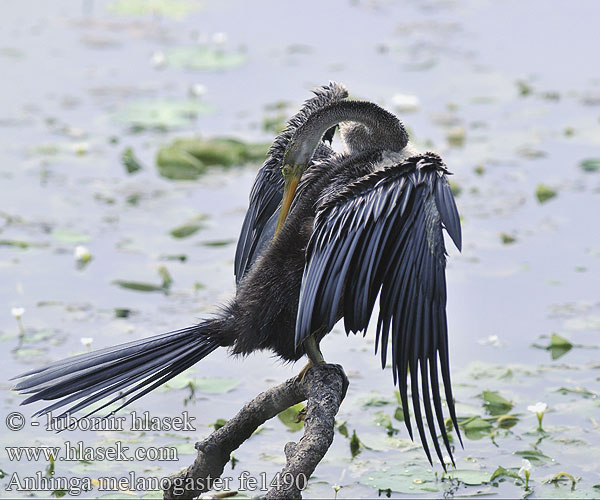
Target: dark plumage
<point>361,225</point>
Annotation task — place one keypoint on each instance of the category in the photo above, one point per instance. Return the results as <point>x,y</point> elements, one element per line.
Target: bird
<point>327,234</point>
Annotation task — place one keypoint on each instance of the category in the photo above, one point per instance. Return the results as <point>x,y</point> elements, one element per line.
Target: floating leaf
<point>501,471</point>
<point>576,390</point>
<point>289,417</point>
<point>590,165</point>
<point>21,244</point>
<point>66,236</point>
<point>217,243</point>
<point>469,476</point>
<point>507,239</point>
<point>204,58</point>
<point>130,162</point>
<point>495,404</point>
<point>476,428</point>
<point>122,312</point>
<point>544,193</point>
<point>216,385</point>
<point>374,401</point>
<point>534,456</point>
<point>161,114</point>
<point>382,419</point>
<point>342,428</point>
<point>139,286</point>
<point>558,346</point>
<point>168,8</point>
<point>220,422</point>
<point>189,158</point>
<point>355,444</point>
<point>410,480</point>
<point>189,228</point>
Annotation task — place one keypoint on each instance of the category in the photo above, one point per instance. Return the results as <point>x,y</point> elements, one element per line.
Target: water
<point>517,79</point>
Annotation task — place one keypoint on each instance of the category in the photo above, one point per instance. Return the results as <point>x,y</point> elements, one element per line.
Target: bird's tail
<point>93,376</point>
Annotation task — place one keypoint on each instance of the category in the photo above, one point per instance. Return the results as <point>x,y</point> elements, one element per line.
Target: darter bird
<point>326,235</point>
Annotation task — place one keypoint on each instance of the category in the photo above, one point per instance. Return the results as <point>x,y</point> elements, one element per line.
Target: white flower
<point>158,59</point>
<point>86,341</point>
<point>197,90</point>
<point>17,312</point>
<point>525,467</point>
<point>405,102</point>
<point>82,254</point>
<point>539,407</point>
<point>492,340</point>
<point>219,38</point>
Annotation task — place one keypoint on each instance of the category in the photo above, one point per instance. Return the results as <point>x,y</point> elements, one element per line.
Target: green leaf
<point>216,385</point>
<point>139,286</point>
<point>495,404</point>
<point>178,165</point>
<point>382,419</point>
<point>220,422</point>
<point>169,8</point>
<point>342,428</point>
<point>130,162</point>
<point>476,428</point>
<point>204,58</point>
<point>188,158</point>
<point>186,230</point>
<point>355,444</point>
<point>544,193</point>
<point>590,165</point>
<point>20,244</point>
<point>507,239</point>
<point>289,417</point>
<point>412,479</point>
<point>374,401</point>
<point>559,346</point>
<point>501,471</point>
<point>161,114</point>
<point>469,476</point>
<point>66,236</point>
<point>534,456</point>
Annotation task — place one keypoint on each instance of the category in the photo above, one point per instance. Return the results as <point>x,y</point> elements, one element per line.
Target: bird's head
<point>295,163</point>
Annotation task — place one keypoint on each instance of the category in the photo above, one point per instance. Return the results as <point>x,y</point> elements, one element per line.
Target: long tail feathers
<point>96,375</point>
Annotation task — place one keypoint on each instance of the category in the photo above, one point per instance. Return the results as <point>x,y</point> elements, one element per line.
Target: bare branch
<point>324,386</point>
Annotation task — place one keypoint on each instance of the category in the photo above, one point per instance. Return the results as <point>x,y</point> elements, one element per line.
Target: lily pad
<point>216,385</point>
<point>289,417</point>
<point>470,477</point>
<point>169,8</point>
<point>412,479</point>
<point>204,58</point>
<point>188,158</point>
<point>590,165</point>
<point>161,114</point>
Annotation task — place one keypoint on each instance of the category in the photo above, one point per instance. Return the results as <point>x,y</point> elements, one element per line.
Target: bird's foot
<point>339,368</point>
<point>304,371</point>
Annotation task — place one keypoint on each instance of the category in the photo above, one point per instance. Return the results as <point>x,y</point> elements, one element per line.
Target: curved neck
<point>382,129</point>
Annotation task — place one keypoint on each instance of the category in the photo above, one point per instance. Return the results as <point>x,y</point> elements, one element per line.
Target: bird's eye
<point>286,170</point>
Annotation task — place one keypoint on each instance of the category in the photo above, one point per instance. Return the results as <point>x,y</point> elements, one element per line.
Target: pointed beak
<point>288,196</point>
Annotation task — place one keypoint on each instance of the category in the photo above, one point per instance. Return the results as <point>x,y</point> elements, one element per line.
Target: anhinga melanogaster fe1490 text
<point>325,235</point>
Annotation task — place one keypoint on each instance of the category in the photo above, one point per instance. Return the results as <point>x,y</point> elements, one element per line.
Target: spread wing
<point>258,227</point>
<point>382,236</point>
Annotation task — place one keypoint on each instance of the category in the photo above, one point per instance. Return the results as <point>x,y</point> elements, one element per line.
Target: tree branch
<point>324,386</point>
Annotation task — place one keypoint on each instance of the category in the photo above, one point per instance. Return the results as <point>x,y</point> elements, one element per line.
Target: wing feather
<point>382,237</point>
